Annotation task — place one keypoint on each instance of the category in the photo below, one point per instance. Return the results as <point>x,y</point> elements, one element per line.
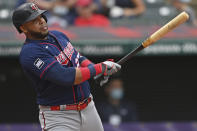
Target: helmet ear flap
<point>45,18</point>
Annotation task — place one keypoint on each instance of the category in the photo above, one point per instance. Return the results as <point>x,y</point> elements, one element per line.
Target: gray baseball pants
<point>71,120</point>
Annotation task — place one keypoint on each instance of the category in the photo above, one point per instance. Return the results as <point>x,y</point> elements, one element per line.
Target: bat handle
<point>100,79</point>
<point>96,77</point>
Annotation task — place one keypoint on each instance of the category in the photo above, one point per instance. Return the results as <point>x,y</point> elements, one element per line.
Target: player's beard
<point>39,35</point>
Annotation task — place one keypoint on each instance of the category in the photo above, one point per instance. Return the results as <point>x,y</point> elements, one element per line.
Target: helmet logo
<point>34,7</point>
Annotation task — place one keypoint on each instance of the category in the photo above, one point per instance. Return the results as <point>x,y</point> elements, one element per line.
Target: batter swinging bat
<point>178,20</point>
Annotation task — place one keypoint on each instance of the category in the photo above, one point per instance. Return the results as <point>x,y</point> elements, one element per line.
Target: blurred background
<point>155,90</point>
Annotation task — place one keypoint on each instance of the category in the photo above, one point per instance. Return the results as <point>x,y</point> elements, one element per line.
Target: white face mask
<point>116,93</point>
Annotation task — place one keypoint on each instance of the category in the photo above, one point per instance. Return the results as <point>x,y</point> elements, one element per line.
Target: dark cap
<point>24,13</point>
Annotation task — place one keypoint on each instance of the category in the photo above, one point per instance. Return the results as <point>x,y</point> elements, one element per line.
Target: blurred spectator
<point>60,12</point>
<point>20,2</point>
<point>103,7</point>
<point>123,8</point>
<point>63,13</point>
<point>87,17</point>
<point>115,110</point>
<point>44,4</point>
<point>183,5</point>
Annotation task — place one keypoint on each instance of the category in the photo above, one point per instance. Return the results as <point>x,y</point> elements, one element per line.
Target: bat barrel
<point>178,20</point>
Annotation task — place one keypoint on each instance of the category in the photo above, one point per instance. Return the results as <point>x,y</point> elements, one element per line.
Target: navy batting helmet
<point>26,12</point>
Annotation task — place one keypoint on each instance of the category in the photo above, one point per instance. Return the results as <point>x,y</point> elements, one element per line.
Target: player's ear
<point>22,28</point>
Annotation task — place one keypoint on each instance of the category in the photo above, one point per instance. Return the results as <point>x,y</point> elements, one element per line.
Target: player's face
<point>36,29</point>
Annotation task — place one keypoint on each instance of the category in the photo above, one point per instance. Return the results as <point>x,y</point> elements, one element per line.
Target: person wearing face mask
<point>116,110</point>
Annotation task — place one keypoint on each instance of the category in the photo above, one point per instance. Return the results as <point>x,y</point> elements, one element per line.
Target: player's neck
<point>34,38</point>
<point>28,36</point>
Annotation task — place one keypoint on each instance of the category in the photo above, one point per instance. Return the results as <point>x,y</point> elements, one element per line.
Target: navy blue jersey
<point>51,64</point>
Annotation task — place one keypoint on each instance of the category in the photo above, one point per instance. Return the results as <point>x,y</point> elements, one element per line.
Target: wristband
<point>86,63</point>
<point>90,71</point>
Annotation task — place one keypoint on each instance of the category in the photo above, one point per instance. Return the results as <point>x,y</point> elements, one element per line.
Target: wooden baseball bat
<point>178,20</point>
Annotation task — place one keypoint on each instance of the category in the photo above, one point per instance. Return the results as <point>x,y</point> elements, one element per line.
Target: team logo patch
<point>34,7</point>
<point>39,63</point>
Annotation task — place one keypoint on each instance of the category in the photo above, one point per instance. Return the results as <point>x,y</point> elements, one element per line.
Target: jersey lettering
<point>69,50</point>
<point>77,60</point>
<point>62,59</point>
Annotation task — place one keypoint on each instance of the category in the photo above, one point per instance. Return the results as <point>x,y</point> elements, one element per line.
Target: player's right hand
<point>109,68</point>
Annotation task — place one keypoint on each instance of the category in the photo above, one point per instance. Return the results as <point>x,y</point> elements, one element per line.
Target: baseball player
<point>59,74</point>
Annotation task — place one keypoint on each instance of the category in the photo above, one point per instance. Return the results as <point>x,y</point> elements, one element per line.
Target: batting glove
<point>104,80</point>
<point>109,68</point>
